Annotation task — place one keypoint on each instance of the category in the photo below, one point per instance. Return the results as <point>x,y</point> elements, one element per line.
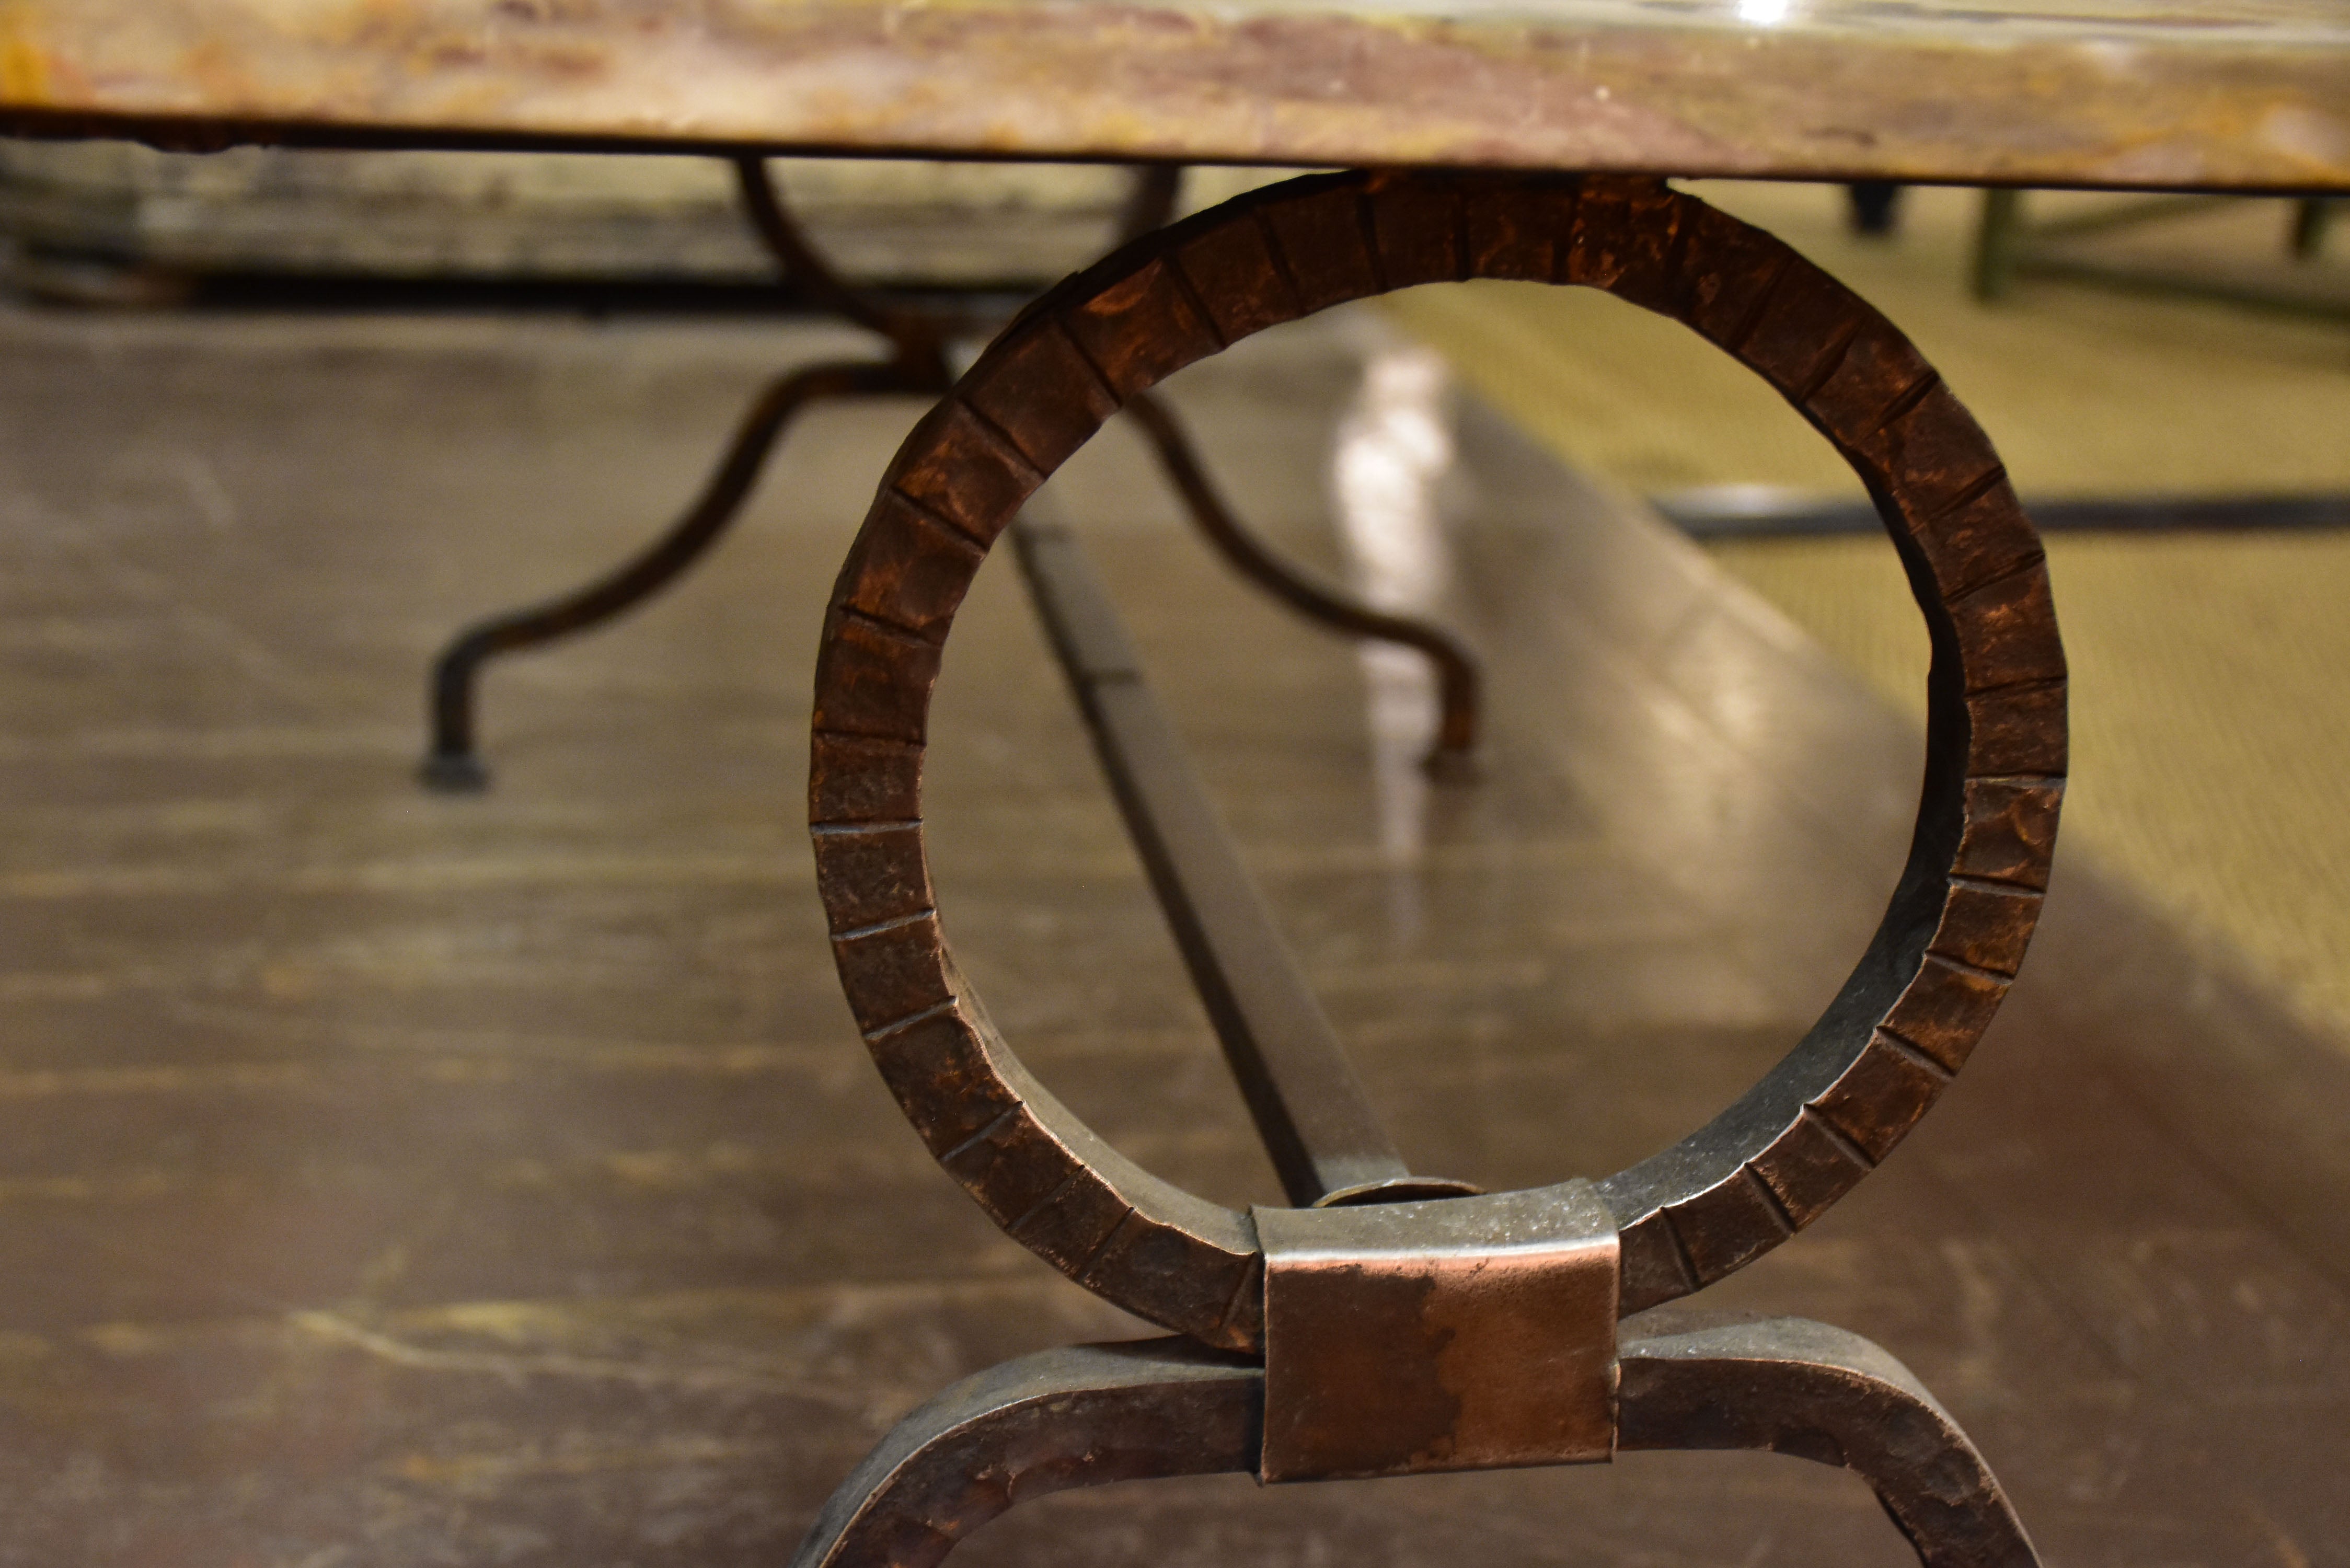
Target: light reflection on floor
<point>1392,448</point>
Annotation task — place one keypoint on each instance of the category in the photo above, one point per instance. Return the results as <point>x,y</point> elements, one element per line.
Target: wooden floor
<point>387,1179</point>
<point>2208,748</point>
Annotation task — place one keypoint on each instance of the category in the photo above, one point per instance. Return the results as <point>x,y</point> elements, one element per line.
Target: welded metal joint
<point>1451,1335</point>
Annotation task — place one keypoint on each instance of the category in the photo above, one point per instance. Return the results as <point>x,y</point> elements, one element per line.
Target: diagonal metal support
<point>1310,1108</point>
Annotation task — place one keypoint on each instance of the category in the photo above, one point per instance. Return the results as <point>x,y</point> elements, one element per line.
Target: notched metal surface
<point>1473,1332</point>
<point>1956,930</point>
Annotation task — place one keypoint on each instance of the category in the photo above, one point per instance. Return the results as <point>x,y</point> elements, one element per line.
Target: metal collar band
<point>1454,1334</point>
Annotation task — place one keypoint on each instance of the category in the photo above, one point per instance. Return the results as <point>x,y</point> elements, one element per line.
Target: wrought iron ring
<point>1953,933</point>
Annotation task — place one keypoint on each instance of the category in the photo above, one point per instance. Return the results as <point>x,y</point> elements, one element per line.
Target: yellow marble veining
<point>2241,94</point>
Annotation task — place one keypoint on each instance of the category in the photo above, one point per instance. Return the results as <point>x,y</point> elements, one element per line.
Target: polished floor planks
<point>388,1179</point>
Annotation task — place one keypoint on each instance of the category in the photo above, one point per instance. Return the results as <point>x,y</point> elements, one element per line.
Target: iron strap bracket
<point>1451,1334</point>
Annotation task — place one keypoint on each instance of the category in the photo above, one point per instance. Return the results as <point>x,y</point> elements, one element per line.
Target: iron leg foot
<point>454,773</point>
<point>1450,766</point>
<point>1456,669</point>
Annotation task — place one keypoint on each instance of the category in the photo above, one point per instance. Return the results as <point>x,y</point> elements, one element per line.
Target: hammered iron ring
<point>1952,935</point>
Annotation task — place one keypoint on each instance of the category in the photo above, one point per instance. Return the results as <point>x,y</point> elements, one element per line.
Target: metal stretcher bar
<point>1317,1122</point>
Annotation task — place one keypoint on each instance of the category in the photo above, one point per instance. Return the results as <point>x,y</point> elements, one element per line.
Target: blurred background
<point>2183,359</point>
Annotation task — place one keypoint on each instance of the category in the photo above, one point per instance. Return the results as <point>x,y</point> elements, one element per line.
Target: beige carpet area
<point>2211,728</point>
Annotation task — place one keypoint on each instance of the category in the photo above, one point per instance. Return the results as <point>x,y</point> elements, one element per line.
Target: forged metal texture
<point>1454,1334</point>
<point>1084,1415</point>
<point>1953,933</point>
<point>1818,1393</point>
<point>1091,1415</point>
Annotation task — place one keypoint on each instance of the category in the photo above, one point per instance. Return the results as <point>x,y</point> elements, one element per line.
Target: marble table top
<point>2227,94</point>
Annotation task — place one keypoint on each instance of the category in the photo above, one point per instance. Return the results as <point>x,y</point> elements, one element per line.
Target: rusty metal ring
<point>1953,933</point>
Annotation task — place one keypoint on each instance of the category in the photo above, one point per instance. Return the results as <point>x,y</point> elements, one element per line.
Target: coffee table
<point>1387,1323</point>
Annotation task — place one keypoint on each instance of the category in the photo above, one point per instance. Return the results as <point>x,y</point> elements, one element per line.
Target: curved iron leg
<point>916,337</point>
<point>1456,668</point>
<point>919,366</point>
<point>1092,1414</point>
<point>1799,1387</point>
<point>1083,1416</point>
<point>1150,201</point>
<point>453,764</point>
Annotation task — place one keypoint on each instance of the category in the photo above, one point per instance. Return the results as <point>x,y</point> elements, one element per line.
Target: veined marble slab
<point>2241,94</point>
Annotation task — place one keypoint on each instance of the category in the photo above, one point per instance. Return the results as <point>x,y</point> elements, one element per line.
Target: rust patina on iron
<point>1388,1341</point>
<point>2245,94</point>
